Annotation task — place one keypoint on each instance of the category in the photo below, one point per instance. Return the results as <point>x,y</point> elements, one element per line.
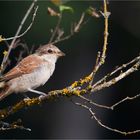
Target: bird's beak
<point>60,54</point>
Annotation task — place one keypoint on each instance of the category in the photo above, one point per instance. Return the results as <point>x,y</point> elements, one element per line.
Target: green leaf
<point>63,7</point>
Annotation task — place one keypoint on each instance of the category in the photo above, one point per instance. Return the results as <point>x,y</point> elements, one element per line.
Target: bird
<point>31,72</point>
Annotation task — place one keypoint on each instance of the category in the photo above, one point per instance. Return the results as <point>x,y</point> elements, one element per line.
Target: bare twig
<point>116,70</point>
<point>74,30</point>
<point>125,99</point>
<point>3,64</point>
<point>93,103</point>
<point>56,28</point>
<point>117,79</point>
<point>79,24</point>
<point>103,125</point>
<point>95,70</point>
<point>106,15</point>
<point>101,58</point>
<point>28,28</point>
<point>109,107</point>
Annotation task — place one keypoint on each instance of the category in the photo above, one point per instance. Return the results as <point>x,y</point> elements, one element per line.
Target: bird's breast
<point>42,75</point>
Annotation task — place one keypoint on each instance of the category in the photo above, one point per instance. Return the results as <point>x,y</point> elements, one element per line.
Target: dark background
<point>61,118</point>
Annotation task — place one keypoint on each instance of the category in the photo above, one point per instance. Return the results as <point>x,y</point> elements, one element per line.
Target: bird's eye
<point>50,51</point>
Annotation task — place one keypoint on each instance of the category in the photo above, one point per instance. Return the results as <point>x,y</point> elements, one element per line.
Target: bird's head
<point>49,52</point>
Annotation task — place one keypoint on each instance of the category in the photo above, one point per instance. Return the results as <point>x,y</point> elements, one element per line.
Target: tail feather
<point>4,93</point>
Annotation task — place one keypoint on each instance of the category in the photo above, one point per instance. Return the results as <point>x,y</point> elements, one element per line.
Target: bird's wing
<point>26,66</point>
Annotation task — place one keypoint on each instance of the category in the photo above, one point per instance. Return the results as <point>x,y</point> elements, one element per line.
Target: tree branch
<point>102,124</point>
<point>109,107</point>
<point>116,70</point>
<point>74,30</point>
<point>56,28</point>
<point>116,79</point>
<point>3,64</point>
<point>100,60</point>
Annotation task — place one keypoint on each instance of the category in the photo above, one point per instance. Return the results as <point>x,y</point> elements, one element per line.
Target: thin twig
<point>106,16</point>
<point>56,28</point>
<point>103,125</point>
<point>117,79</point>
<point>93,103</point>
<point>79,24</point>
<point>102,57</point>
<point>125,99</point>
<point>116,70</point>
<point>17,33</point>
<point>96,65</point>
<point>109,107</point>
<point>29,27</point>
<point>74,30</point>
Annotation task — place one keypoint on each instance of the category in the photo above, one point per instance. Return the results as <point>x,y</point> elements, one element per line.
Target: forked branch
<point>6,56</point>
<point>104,125</point>
<point>74,29</point>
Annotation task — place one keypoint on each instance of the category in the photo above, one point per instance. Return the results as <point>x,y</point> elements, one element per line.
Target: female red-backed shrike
<point>32,72</point>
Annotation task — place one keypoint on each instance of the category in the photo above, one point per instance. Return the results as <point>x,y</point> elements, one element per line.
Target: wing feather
<point>26,66</point>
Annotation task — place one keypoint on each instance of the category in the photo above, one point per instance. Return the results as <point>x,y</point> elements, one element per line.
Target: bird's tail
<point>4,93</point>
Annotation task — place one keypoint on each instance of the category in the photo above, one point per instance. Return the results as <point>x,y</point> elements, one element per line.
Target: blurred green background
<point>61,118</point>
